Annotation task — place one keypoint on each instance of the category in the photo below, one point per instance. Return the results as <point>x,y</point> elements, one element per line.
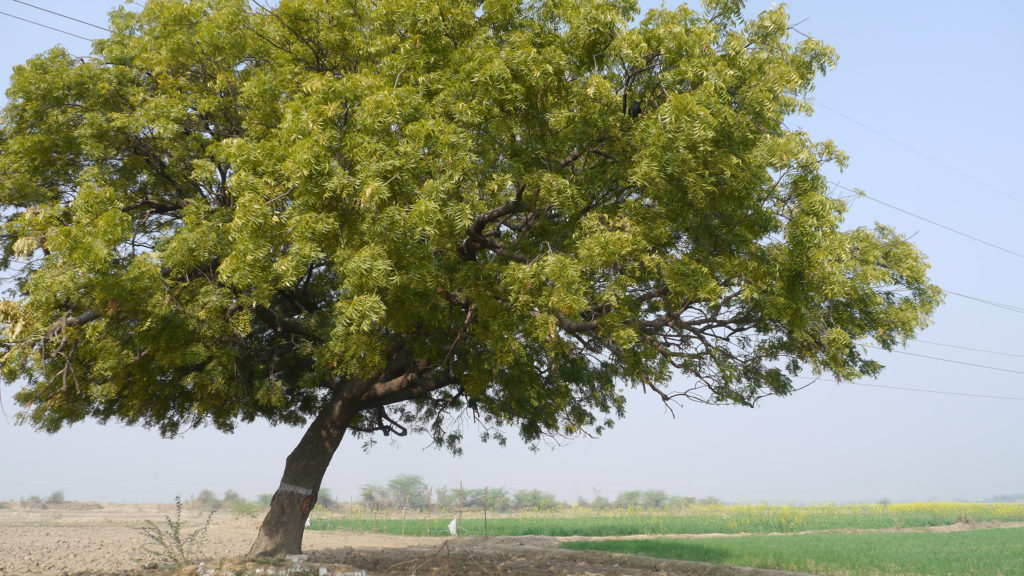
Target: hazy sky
<point>927,102</point>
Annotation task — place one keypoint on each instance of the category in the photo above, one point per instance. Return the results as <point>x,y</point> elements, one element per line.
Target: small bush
<point>242,507</point>
<point>170,544</point>
<point>56,498</point>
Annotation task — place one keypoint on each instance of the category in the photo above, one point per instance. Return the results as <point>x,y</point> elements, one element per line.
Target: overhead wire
<point>46,26</point>
<point>918,390</point>
<point>942,392</point>
<point>1009,307</point>
<point>928,220</point>
<point>62,15</point>
<point>958,347</point>
<point>940,359</point>
<point>924,155</point>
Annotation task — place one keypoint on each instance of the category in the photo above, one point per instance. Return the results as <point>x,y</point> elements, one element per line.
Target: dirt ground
<point>83,540</point>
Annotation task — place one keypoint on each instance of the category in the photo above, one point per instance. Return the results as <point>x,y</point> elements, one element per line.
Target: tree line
<point>412,491</point>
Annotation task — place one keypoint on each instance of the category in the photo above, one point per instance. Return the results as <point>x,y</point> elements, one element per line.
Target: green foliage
<point>57,497</point>
<point>228,213</point>
<point>995,551</point>
<point>171,544</point>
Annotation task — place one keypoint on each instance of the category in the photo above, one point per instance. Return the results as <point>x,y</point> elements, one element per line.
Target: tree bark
<point>282,529</point>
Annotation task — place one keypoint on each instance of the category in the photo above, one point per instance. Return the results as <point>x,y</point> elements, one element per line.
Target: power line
<point>968,348</point>
<point>922,154</point>
<point>948,360</point>
<point>45,26</point>
<point>920,390</point>
<point>1010,307</point>
<point>932,222</point>
<point>62,15</point>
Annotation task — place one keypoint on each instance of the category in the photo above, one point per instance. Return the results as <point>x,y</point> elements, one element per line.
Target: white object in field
<point>307,522</point>
<point>453,526</point>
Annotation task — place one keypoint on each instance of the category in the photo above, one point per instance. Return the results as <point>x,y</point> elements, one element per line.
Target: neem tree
<point>378,214</point>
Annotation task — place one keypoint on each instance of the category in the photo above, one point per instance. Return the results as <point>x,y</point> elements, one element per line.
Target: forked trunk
<point>281,531</point>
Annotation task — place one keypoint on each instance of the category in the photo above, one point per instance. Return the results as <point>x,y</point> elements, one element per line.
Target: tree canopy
<point>506,210</point>
<point>223,212</point>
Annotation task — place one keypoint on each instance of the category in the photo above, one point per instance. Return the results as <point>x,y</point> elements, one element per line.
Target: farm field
<point>992,552</point>
<point>104,540</point>
<point>709,519</point>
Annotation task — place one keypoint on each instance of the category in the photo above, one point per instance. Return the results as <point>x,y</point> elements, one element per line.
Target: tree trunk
<point>281,531</point>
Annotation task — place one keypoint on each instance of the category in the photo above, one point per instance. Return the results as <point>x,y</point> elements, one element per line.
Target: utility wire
<point>932,222</point>
<point>924,155</point>
<point>948,360</point>
<point>919,390</point>
<point>906,389</point>
<point>968,348</point>
<point>45,26</point>
<point>62,15</point>
<point>1010,307</point>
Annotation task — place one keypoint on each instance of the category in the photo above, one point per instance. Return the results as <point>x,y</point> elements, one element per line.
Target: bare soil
<point>92,540</point>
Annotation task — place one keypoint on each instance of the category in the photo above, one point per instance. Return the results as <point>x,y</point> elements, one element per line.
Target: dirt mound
<point>516,556</point>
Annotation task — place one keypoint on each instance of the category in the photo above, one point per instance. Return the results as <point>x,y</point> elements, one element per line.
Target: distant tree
<point>681,501</point>
<point>654,499</point>
<point>534,499</point>
<point>374,495</point>
<point>498,500</point>
<point>373,216</point>
<point>408,488</point>
<point>325,497</point>
<point>207,500</point>
<point>628,499</point>
<point>57,497</point>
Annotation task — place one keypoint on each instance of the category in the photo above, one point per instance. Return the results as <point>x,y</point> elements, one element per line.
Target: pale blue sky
<point>941,82</point>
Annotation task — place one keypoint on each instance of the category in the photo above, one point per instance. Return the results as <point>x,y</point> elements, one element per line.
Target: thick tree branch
<point>84,318</point>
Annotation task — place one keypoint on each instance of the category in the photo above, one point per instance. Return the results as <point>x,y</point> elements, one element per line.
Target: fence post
<point>458,526</point>
<point>485,512</point>
<point>405,511</point>
<point>430,492</point>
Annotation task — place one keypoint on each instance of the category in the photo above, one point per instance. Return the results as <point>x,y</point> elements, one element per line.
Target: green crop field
<point>725,519</point>
<point>990,552</point>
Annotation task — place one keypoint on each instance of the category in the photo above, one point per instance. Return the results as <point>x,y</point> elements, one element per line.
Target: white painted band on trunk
<point>285,487</point>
